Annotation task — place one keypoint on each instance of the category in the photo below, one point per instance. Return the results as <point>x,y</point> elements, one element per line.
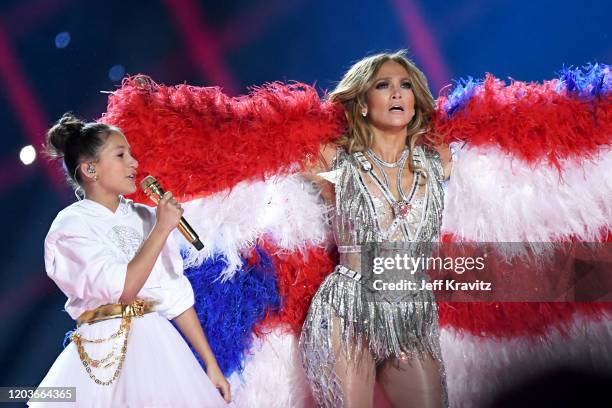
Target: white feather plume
<point>273,375</point>
<point>287,210</point>
<point>494,197</point>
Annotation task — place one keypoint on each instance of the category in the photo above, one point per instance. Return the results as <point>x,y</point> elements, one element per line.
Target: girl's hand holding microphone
<point>169,213</point>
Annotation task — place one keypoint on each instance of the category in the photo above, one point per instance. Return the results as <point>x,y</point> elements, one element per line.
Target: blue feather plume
<point>592,80</point>
<point>461,94</point>
<point>229,310</point>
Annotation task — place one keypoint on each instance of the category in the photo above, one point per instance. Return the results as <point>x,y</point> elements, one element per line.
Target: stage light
<point>62,39</point>
<point>116,72</point>
<point>27,155</point>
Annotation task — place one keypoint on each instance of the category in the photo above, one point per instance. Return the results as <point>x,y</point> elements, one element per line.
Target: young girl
<point>120,267</point>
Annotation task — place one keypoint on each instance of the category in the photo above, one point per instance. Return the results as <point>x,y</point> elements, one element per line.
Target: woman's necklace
<point>402,206</point>
<point>381,162</point>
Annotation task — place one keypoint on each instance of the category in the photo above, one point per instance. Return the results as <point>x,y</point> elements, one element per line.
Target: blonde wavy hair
<point>351,92</point>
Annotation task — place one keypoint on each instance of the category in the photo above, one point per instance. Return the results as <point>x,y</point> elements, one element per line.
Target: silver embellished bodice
<point>365,213</point>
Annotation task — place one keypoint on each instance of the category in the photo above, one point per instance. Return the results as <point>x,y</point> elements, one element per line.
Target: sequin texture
<point>367,322</point>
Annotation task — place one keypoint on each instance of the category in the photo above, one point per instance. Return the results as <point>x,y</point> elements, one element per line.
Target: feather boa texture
<point>593,81</point>
<point>495,197</point>
<point>287,211</point>
<point>478,367</point>
<point>506,320</point>
<point>460,96</point>
<point>298,276</point>
<point>197,140</point>
<point>536,168</point>
<point>530,121</point>
<point>273,375</point>
<point>229,311</point>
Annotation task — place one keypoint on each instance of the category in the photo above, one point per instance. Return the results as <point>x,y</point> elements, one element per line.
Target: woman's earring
<point>364,113</point>
<point>95,177</point>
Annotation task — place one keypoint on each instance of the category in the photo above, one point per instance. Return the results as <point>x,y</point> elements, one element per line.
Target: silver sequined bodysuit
<point>366,212</point>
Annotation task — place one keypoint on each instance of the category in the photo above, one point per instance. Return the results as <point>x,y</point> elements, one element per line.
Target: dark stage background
<point>57,55</point>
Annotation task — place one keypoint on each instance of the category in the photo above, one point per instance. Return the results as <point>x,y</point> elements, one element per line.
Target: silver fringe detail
<point>367,322</point>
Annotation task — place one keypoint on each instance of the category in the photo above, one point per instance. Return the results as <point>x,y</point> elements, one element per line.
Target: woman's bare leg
<point>412,382</point>
<point>356,376</point>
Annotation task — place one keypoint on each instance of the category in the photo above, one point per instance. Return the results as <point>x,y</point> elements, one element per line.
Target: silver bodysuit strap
<point>349,249</point>
<point>343,270</point>
<point>398,207</point>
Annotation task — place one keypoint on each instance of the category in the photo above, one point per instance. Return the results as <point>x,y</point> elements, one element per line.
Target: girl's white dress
<point>87,251</point>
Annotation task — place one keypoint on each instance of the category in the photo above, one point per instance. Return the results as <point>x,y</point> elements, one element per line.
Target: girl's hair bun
<point>66,128</point>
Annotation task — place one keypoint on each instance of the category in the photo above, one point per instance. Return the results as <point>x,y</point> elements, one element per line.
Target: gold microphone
<point>155,192</point>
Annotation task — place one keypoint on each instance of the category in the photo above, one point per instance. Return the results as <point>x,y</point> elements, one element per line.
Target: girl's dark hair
<point>75,141</point>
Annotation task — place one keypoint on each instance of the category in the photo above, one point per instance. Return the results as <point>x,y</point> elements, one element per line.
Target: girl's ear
<point>88,169</point>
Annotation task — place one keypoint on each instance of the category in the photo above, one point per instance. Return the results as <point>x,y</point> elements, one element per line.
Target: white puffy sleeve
<point>84,268</point>
<point>177,293</point>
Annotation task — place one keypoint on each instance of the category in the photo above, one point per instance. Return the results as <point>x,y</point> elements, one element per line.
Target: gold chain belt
<point>115,310</point>
<point>136,309</point>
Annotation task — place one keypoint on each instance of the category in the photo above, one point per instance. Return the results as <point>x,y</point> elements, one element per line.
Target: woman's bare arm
<point>446,158</point>
<point>321,164</point>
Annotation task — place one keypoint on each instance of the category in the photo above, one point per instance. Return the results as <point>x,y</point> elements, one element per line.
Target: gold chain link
<point>113,336</point>
<point>88,362</point>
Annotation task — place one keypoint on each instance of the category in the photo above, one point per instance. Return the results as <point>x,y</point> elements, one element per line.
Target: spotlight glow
<point>116,72</point>
<point>27,155</point>
<point>62,40</point>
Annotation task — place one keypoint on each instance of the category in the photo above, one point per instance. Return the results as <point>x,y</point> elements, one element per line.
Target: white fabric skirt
<point>159,369</point>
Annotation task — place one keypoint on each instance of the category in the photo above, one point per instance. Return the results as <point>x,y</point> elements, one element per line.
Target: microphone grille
<point>147,182</point>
